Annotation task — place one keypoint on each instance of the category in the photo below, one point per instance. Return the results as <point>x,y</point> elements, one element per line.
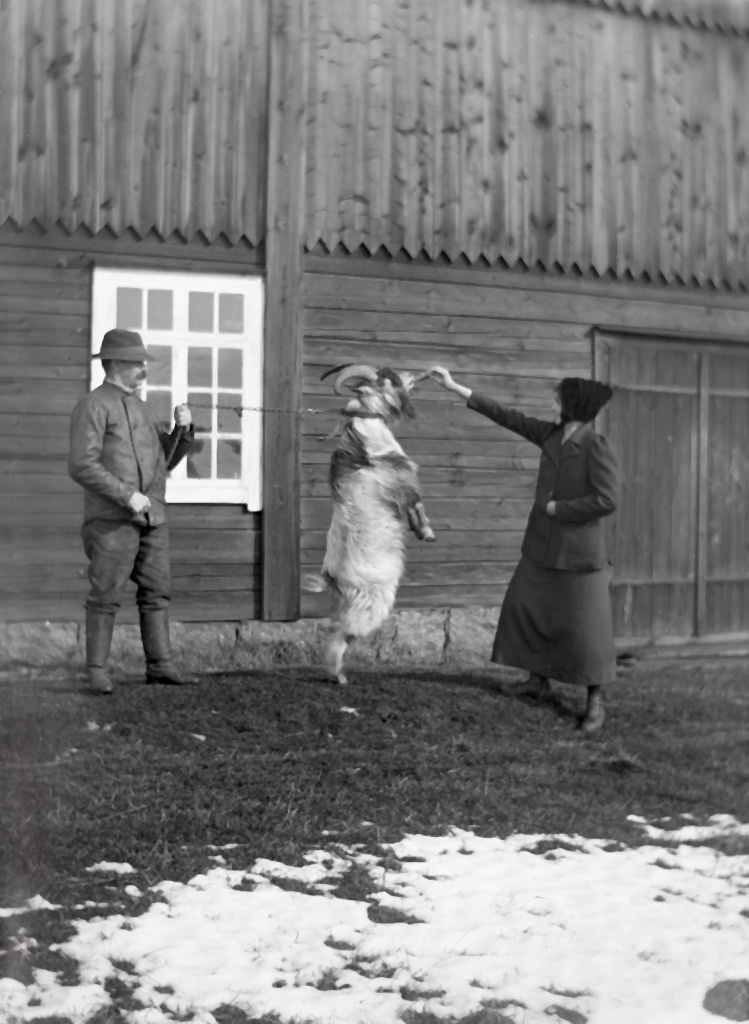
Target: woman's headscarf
<point>581,399</point>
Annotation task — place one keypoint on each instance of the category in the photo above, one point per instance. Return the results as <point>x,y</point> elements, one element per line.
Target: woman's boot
<point>594,711</point>
<point>534,686</point>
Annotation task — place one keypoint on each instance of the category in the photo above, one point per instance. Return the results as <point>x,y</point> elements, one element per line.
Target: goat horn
<point>336,369</point>
<point>353,370</point>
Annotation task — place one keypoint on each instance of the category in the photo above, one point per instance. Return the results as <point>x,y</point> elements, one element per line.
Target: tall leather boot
<point>99,629</point>
<point>154,632</point>
<point>594,711</point>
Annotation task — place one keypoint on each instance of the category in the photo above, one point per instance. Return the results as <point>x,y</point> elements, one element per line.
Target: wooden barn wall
<point>543,132</point>
<point>150,114</point>
<point>512,335</point>
<point>45,319</point>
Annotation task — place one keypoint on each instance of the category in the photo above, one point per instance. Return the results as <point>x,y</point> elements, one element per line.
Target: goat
<point>375,493</point>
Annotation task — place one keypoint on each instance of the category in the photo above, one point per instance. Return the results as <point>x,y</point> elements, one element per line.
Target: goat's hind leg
<point>334,655</point>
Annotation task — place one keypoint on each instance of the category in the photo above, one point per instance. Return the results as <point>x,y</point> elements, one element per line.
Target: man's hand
<point>551,509</point>
<point>139,503</point>
<point>183,416</point>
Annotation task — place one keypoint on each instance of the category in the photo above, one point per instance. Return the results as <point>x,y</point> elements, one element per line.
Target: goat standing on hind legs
<point>375,492</point>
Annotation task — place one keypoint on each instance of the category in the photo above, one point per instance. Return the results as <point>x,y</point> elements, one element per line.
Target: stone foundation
<point>428,637</point>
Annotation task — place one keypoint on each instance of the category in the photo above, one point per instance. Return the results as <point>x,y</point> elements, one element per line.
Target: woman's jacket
<point>581,476</point>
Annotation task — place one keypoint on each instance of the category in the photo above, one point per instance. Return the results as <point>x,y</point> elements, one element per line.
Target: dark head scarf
<point>581,399</point>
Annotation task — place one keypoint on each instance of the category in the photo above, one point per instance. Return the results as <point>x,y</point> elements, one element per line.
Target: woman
<point>556,616</point>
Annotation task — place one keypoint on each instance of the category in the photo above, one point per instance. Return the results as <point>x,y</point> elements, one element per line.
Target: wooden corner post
<point>283,309</point>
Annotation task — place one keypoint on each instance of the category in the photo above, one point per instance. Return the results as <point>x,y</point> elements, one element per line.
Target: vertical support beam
<point>283,309</point>
<point>702,483</point>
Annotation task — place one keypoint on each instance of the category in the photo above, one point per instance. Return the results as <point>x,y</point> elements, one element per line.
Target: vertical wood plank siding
<point>552,133</point>
<point>140,114</point>
<point>45,322</point>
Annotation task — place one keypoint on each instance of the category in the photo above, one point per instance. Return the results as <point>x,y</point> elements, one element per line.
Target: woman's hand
<point>445,378</point>
<point>442,376</point>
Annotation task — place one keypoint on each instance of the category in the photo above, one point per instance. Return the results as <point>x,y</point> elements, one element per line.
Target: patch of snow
<point>551,926</point>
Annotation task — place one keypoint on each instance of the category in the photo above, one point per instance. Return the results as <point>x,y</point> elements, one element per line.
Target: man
<point>120,457</point>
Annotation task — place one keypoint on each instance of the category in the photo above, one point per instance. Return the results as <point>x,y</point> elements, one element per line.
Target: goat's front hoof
<point>336,676</point>
<point>428,534</point>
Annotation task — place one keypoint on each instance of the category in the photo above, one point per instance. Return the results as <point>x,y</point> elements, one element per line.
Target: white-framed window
<point>205,332</point>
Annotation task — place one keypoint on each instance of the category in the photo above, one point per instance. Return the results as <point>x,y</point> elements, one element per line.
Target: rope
<point>239,409</point>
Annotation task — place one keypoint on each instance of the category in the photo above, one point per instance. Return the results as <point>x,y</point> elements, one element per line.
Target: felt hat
<point>124,345</point>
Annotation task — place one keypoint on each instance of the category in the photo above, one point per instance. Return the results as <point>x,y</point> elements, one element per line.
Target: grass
<point>274,763</point>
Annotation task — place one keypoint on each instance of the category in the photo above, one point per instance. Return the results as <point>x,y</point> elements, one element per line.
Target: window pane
<point>160,404</point>
<point>201,407</point>
<point>229,414</point>
<point>160,367</point>
<point>200,311</point>
<point>159,310</point>
<point>229,368</point>
<point>199,459</point>
<point>229,454</point>
<point>231,313</point>
<point>129,308</point>
<point>199,367</point>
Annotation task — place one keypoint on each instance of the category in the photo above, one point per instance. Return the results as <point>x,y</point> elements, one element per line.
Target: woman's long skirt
<point>558,624</point>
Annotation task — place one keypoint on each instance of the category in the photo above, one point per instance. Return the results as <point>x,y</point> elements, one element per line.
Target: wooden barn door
<point>680,543</point>
<point>724,603</point>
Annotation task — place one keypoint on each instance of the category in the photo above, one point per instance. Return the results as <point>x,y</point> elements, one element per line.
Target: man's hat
<point>125,345</point>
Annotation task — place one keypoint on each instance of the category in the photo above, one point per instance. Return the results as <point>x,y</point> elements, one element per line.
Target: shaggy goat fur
<point>375,492</point>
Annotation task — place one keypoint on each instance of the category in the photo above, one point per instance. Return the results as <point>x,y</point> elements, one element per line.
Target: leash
<point>310,411</point>
<point>239,409</point>
<point>178,432</point>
